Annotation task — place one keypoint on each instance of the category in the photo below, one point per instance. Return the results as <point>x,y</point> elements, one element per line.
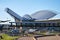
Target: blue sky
<point>23,7</point>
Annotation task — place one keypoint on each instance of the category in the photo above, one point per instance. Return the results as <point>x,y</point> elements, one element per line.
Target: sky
<point>23,7</point>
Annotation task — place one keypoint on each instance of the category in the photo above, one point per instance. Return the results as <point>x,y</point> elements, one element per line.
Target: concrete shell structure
<point>13,14</point>
<point>43,14</point>
<point>40,15</point>
<point>27,16</point>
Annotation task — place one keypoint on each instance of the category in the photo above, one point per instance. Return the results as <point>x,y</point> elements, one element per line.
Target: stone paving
<point>49,38</point>
<point>27,38</point>
<point>41,38</point>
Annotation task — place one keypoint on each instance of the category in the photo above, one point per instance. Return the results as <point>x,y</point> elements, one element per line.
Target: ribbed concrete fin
<point>13,14</point>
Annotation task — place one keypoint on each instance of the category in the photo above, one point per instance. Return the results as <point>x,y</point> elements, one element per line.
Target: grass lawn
<point>7,37</point>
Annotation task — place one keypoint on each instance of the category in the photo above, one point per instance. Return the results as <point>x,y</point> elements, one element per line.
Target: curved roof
<point>43,14</point>
<point>27,16</point>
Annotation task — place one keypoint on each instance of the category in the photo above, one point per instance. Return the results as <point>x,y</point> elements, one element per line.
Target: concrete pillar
<point>11,23</point>
<point>21,27</point>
